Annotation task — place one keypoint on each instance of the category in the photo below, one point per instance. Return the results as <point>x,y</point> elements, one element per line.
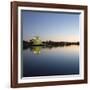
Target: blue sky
<point>50,25</point>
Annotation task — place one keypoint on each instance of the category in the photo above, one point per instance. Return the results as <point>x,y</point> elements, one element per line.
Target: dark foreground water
<point>43,61</point>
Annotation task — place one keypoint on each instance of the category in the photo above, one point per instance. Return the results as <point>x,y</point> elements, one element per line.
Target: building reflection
<point>36,49</point>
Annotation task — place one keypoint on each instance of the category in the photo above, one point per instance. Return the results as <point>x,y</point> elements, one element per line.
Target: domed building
<point>36,40</point>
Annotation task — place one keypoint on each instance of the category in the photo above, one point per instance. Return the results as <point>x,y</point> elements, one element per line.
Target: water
<point>48,61</point>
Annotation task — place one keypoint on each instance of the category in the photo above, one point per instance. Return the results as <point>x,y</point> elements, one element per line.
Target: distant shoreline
<point>49,44</point>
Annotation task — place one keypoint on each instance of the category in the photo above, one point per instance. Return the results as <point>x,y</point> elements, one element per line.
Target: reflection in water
<point>36,49</point>
<point>47,61</point>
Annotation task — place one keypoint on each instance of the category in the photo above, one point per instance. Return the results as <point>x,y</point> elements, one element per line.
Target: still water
<point>46,61</point>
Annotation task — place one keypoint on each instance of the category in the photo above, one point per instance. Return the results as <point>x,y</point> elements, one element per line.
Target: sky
<point>55,26</point>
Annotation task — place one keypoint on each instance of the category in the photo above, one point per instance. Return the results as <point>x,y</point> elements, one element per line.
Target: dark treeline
<point>63,43</point>
<point>27,44</point>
